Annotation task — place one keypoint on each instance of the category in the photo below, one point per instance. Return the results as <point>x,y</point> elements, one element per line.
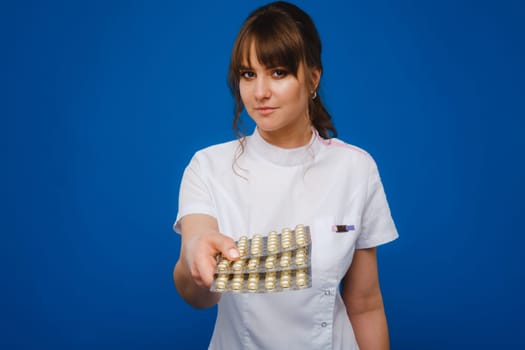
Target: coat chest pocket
<point>333,245</point>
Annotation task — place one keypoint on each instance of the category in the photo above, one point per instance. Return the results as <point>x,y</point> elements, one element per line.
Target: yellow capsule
<point>270,262</point>
<point>238,265</point>
<point>253,264</point>
<point>285,259</point>
<point>285,280</point>
<point>237,283</point>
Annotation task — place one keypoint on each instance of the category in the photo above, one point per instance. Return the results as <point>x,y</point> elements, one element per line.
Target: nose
<point>262,88</point>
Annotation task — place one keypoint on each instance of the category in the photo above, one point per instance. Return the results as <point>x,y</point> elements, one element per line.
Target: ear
<point>315,76</point>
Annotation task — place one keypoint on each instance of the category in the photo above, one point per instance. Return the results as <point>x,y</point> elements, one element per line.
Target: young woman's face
<point>277,101</point>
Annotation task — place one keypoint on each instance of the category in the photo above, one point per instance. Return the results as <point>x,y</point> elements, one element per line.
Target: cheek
<point>297,97</point>
<point>242,91</point>
<point>290,91</point>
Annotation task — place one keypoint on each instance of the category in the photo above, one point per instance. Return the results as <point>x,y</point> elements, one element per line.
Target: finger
<point>227,247</point>
<point>202,272</point>
<point>207,273</point>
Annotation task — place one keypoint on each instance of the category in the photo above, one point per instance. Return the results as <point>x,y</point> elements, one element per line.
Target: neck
<point>295,138</point>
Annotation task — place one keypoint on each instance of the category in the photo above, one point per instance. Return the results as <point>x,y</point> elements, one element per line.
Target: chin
<point>267,127</point>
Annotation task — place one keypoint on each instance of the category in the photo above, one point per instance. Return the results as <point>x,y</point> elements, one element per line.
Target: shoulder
<point>217,155</point>
<point>343,151</point>
<point>218,150</point>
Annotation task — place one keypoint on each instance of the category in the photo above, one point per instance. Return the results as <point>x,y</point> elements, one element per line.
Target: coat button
<point>324,324</point>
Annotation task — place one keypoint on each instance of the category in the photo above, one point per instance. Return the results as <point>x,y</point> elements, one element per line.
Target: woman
<point>290,171</point>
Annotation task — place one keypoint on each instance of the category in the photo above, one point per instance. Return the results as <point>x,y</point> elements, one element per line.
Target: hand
<point>200,253</point>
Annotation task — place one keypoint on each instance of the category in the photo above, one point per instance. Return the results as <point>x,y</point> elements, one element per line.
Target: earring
<point>314,95</point>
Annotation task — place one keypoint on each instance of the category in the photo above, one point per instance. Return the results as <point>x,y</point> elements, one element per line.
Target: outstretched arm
<point>193,273</point>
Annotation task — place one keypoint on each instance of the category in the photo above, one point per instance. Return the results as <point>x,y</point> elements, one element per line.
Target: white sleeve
<point>377,226</point>
<point>194,194</point>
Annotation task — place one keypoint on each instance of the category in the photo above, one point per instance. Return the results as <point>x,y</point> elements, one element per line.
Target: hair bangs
<point>277,43</point>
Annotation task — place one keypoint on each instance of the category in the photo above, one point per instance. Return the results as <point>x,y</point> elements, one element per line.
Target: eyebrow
<point>245,68</point>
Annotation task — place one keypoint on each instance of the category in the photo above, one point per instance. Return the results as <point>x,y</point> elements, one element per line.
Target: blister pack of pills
<point>276,262</point>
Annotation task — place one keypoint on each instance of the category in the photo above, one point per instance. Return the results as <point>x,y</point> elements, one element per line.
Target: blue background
<point>104,103</point>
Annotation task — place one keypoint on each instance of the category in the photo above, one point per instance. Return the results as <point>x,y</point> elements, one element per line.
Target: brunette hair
<point>284,36</point>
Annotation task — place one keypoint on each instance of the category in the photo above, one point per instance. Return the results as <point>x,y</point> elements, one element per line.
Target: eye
<point>279,73</point>
<point>247,74</point>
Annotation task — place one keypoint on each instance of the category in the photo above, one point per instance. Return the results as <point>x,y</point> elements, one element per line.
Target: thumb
<point>227,247</point>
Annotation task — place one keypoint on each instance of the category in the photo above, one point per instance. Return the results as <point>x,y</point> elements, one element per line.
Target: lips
<point>264,110</point>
